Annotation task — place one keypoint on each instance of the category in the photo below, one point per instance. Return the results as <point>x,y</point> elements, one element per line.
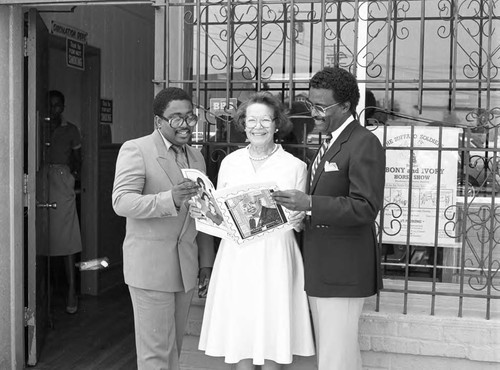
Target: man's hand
<point>294,200</point>
<point>204,281</point>
<point>183,191</point>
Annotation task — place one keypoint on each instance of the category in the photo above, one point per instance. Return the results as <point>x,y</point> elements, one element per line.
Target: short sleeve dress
<point>256,306</point>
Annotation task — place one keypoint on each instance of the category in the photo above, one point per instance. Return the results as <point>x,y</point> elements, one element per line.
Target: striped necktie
<point>319,156</point>
<point>180,156</point>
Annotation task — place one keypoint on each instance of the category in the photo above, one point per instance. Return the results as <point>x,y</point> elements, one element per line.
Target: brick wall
<point>403,342</point>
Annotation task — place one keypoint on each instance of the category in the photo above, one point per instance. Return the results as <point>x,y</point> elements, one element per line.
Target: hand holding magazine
<point>243,214</point>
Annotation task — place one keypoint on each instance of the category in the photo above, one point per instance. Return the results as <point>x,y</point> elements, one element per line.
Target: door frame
<point>11,178</point>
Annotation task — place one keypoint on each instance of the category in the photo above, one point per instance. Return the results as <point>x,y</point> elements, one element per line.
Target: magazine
<point>243,213</point>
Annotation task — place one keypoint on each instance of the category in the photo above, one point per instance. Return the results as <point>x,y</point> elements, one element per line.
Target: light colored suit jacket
<point>160,251</point>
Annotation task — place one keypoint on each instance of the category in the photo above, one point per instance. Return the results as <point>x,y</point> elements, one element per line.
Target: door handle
<point>46,205</point>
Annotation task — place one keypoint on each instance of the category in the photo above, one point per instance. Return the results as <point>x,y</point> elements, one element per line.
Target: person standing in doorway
<point>345,193</point>
<point>64,164</point>
<point>163,254</point>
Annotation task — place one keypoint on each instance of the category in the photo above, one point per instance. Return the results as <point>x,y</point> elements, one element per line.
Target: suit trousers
<point>160,320</point>
<point>336,322</point>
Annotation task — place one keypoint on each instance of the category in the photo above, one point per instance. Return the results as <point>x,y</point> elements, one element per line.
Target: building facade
<point>429,76</point>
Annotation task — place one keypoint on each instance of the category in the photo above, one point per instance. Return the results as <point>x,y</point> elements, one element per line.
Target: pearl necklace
<point>264,157</point>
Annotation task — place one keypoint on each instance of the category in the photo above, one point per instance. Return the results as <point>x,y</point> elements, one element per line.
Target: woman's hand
<point>296,218</point>
<point>195,209</point>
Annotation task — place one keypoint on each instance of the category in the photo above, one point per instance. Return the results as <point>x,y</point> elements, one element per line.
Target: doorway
<point>124,36</point>
<point>46,70</point>
<point>82,91</point>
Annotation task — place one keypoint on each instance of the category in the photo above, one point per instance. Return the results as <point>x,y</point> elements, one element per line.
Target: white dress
<point>256,306</point>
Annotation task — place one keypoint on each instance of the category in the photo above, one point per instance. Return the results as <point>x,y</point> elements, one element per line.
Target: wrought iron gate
<point>428,69</point>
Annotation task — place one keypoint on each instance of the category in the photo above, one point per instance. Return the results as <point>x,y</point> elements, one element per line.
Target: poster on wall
<point>423,167</point>
<point>75,54</point>
<point>106,111</point>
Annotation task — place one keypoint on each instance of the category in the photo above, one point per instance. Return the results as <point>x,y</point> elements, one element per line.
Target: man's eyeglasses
<point>177,121</point>
<point>318,110</point>
<point>265,122</point>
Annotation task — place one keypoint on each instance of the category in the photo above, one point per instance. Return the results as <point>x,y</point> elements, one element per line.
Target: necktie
<point>252,223</point>
<point>180,156</point>
<point>319,156</point>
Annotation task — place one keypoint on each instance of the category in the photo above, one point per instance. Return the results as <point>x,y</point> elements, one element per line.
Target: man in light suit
<point>345,194</point>
<point>163,255</point>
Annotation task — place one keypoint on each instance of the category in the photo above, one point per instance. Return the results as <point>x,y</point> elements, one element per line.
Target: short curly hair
<point>282,122</point>
<point>342,83</point>
<point>165,96</point>
<point>57,94</point>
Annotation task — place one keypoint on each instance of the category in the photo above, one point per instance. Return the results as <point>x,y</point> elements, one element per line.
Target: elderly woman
<point>256,311</point>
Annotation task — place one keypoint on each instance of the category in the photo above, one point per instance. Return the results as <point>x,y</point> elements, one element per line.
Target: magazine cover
<point>212,222</point>
<point>243,214</point>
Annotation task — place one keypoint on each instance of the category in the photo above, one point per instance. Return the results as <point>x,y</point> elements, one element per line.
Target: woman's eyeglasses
<point>177,121</point>
<point>265,122</point>
<point>318,110</point>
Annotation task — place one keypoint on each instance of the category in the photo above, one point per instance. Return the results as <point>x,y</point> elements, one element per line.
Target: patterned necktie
<point>319,156</point>
<point>180,156</point>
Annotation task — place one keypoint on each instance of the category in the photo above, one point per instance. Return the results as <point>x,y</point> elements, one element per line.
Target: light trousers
<point>160,321</point>
<point>336,322</point>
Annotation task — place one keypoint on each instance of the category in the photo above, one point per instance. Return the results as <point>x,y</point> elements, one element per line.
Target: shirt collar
<point>335,134</point>
<point>168,144</point>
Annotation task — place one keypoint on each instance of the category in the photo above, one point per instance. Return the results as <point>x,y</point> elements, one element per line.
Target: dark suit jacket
<point>341,255</point>
<point>268,217</point>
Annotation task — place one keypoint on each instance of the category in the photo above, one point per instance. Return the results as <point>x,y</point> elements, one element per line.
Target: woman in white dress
<point>256,311</point>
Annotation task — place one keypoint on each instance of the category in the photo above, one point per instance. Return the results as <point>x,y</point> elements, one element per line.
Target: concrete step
<point>194,359</point>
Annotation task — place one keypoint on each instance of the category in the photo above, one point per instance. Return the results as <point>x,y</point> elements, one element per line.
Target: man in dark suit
<point>259,217</point>
<point>163,255</point>
<point>345,194</point>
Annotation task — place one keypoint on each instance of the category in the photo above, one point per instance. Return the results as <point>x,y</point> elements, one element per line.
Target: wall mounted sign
<point>70,32</point>
<point>106,111</point>
<point>219,106</point>
<point>75,54</point>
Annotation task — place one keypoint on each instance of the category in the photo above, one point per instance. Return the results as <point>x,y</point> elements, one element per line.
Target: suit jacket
<point>341,254</point>
<point>160,251</point>
<point>268,217</point>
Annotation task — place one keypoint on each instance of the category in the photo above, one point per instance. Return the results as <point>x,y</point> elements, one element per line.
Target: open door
<point>37,227</point>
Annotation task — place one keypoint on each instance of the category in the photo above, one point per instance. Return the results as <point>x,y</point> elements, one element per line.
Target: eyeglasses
<point>177,121</point>
<point>265,122</point>
<point>318,110</point>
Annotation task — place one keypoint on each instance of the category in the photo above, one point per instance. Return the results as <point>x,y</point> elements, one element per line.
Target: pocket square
<point>331,167</point>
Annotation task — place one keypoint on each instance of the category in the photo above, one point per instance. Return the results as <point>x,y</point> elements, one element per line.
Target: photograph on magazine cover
<point>212,221</point>
<point>255,212</point>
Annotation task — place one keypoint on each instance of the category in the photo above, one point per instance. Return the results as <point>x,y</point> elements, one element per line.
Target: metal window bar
<point>329,23</point>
